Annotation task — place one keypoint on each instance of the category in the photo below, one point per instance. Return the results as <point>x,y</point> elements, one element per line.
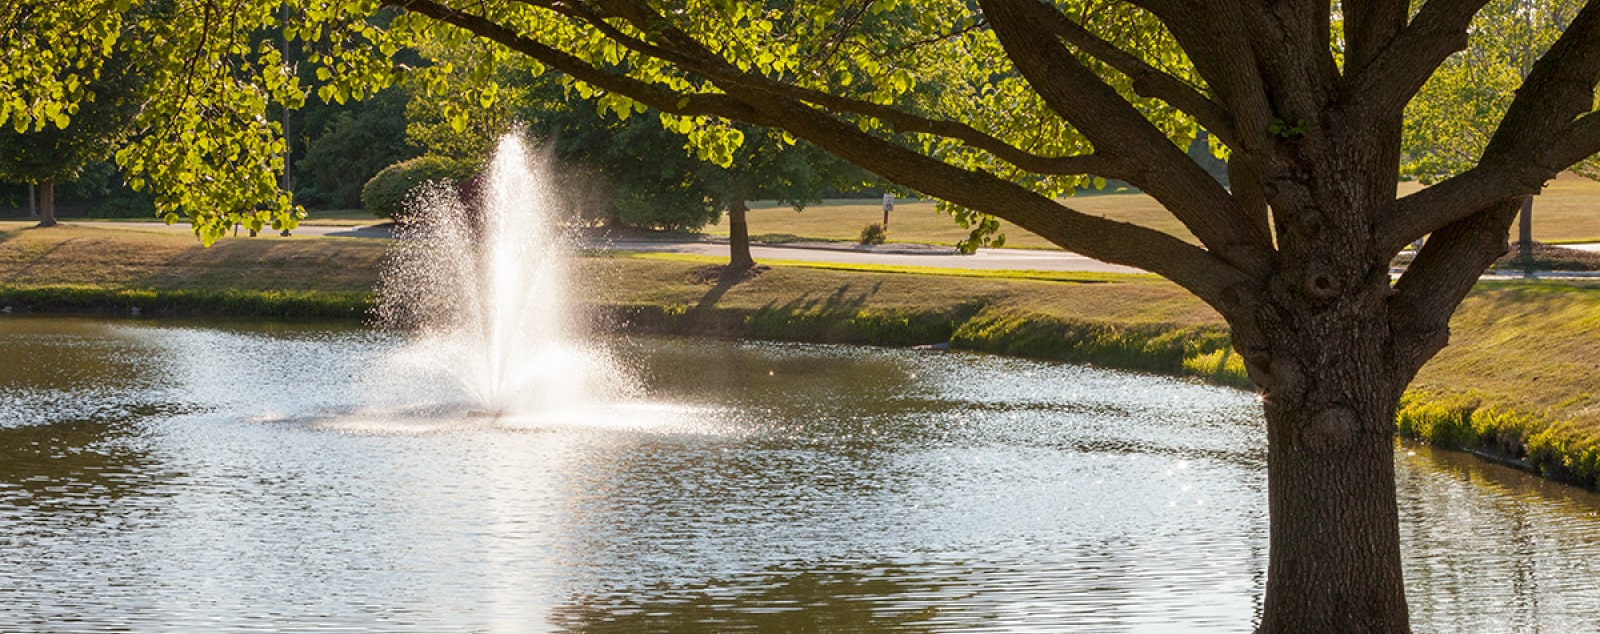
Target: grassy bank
<point>1516,382</point>
<point>1135,322</point>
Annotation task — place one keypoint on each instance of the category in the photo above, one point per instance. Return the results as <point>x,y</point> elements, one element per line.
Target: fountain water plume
<point>482,286</point>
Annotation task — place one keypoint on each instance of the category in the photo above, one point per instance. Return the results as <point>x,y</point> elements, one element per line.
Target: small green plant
<point>873,234</point>
<point>1283,130</point>
<point>385,195</point>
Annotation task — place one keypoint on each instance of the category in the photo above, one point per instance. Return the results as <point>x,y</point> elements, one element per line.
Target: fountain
<point>479,284</point>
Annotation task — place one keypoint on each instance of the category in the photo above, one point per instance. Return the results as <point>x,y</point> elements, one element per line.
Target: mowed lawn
<point>159,257</point>
<point>1567,211</point>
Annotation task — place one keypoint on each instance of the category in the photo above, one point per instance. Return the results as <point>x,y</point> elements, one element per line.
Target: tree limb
<point>1148,80</point>
<point>1214,37</point>
<point>1547,128</point>
<point>693,56</point>
<point>1369,26</point>
<point>1432,208</point>
<point>1384,85</point>
<point>1582,141</point>
<point>1444,271</point>
<point>1191,267</point>
<point>1114,126</point>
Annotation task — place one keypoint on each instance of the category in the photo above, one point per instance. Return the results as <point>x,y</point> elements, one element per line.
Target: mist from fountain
<point>480,286</point>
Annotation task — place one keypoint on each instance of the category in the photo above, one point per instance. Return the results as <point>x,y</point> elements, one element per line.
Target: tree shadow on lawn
<point>846,316</point>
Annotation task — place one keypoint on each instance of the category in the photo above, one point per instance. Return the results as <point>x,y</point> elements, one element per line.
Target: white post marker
<point>888,206</point>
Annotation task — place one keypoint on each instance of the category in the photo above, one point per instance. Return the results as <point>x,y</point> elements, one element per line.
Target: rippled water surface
<point>170,478</point>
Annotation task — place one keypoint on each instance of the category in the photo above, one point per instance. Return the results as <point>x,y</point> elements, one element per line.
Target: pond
<point>172,477</point>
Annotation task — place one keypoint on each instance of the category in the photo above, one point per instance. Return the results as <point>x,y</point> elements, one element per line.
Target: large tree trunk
<point>1334,562</point>
<point>47,203</point>
<point>1332,356</point>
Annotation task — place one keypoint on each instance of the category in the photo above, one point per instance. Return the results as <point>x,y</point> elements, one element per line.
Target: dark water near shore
<point>184,479</point>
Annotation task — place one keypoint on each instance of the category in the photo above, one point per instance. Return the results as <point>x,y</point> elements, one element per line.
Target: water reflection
<point>224,480</point>
<point>809,600</point>
<point>1520,550</point>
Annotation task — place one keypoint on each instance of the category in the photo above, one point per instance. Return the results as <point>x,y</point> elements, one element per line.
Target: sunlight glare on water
<point>179,478</point>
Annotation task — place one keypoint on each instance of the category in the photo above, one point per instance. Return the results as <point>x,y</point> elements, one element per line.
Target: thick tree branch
<point>1548,127</point>
<point>1148,80</point>
<point>1444,271</point>
<point>1191,267</point>
<point>691,55</point>
<point>649,94</point>
<point>1369,26</point>
<point>1582,141</point>
<point>1294,57</point>
<point>1214,37</point>
<point>1247,188</point>
<point>1115,127</point>
<point>1458,197</point>
<point>1384,85</point>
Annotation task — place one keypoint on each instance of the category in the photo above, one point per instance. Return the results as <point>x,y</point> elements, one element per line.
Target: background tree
<point>1449,124</point>
<point>622,172</point>
<point>1022,100</point>
<point>766,166</point>
<point>56,151</point>
<point>345,146</point>
<point>618,171</point>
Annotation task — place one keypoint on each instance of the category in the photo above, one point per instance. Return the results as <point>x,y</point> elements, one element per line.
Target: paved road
<point>844,253</point>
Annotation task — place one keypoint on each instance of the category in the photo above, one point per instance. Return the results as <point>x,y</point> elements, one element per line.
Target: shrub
<point>873,234</point>
<point>386,194</point>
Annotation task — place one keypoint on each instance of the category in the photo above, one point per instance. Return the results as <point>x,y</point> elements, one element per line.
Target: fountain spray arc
<point>482,285</point>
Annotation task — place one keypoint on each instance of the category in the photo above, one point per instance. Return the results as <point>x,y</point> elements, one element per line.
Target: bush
<point>873,234</point>
<point>386,194</point>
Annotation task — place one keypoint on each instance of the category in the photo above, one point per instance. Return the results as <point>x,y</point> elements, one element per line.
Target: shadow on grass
<point>28,261</point>
<point>847,316</point>
<point>708,302</point>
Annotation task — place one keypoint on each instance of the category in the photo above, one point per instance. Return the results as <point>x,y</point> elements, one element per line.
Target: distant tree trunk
<point>1525,237</point>
<point>47,203</point>
<point>33,202</point>
<point>738,234</point>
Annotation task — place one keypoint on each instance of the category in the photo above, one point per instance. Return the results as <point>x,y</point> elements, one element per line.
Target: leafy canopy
<point>210,147</point>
